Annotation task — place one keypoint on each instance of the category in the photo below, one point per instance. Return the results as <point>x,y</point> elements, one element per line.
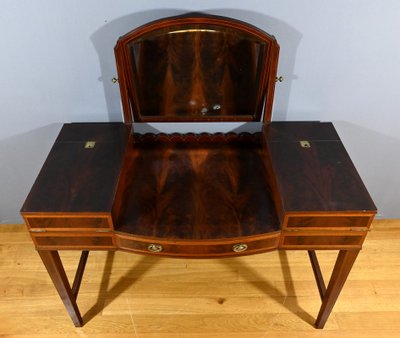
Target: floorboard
<point>266,295</point>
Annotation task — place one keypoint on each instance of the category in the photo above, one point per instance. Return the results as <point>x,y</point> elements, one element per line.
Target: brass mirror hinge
<point>279,79</point>
<point>114,80</point>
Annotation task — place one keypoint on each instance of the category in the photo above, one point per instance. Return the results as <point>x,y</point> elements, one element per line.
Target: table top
<point>200,187</point>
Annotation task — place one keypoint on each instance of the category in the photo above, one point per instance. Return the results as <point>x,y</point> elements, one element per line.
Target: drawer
<point>329,240</point>
<point>73,241</point>
<point>328,221</point>
<point>198,249</point>
<point>68,223</point>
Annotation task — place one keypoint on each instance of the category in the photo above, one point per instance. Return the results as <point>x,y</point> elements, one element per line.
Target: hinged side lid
<point>196,68</point>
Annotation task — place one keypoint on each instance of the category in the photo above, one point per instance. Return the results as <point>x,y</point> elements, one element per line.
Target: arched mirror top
<point>196,68</point>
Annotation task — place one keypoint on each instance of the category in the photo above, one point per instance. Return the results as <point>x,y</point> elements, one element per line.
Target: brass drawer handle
<point>239,247</point>
<point>155,247</point>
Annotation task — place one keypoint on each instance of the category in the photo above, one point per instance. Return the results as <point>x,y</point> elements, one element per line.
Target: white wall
<point>340,59</point>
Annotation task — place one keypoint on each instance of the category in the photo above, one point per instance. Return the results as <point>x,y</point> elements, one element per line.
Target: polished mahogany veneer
<point>290,185</point>
<point>199,189</point>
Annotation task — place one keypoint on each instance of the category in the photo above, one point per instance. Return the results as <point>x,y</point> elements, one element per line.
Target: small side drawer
<point>328,221</point>
<point>322,240</point>
<point>68,223</point>
<point>73,241</point>
<point>198,249</point>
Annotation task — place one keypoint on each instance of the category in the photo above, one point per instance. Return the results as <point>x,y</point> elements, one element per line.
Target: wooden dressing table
<point>290,185</point>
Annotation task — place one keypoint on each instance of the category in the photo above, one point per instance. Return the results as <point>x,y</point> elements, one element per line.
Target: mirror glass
<point>197,73</point>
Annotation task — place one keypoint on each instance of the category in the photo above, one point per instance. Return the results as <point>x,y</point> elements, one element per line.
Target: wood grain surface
<point>266,295</point>
<point>320,177</point>
<point>206,189</point>
<point>79,179</point>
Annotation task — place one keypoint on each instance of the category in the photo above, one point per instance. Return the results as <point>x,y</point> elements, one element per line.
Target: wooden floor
<point>267,295</point>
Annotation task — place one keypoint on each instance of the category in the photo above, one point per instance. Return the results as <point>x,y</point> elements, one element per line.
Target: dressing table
<point>285,186</point>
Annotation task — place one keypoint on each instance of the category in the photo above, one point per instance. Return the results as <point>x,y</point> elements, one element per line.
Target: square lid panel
<point>197,68</point>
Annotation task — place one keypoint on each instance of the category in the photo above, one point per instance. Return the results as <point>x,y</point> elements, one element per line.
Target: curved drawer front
<point>200,248</point>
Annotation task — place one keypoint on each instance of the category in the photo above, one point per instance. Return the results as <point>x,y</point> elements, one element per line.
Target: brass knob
<point>114,80</point>
<point>279,79</point>
<point>155,247</point>
<point>239,247</point>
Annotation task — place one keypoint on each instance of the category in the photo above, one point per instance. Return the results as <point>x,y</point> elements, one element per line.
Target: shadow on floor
<point>148,262</point>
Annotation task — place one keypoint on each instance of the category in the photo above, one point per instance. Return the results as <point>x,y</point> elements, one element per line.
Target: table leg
<point>53,264</point>
<point>317,273</point>
<point>343,265</point>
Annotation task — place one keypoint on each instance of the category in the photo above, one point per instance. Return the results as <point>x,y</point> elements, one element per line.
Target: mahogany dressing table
<point>288,186</point>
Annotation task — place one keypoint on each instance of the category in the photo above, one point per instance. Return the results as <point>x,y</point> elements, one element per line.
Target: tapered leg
<point>317,273</point>
<point>343,265</point>
<point>53,264</point>
<point>79,273</point>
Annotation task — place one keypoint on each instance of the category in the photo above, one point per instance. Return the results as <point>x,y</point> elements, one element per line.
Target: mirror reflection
<point>199,72</point>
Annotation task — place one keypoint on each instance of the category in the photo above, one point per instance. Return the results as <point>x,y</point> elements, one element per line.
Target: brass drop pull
<point>155,248</point>
<point>114,80</point>
<point>279,79</point>
<point>239,247</point>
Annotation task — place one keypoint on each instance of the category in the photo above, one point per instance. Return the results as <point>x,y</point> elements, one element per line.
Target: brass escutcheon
<point>239,247</point>
<point>90,144</point>
<point>305,144</point>
<point>155,247</point>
